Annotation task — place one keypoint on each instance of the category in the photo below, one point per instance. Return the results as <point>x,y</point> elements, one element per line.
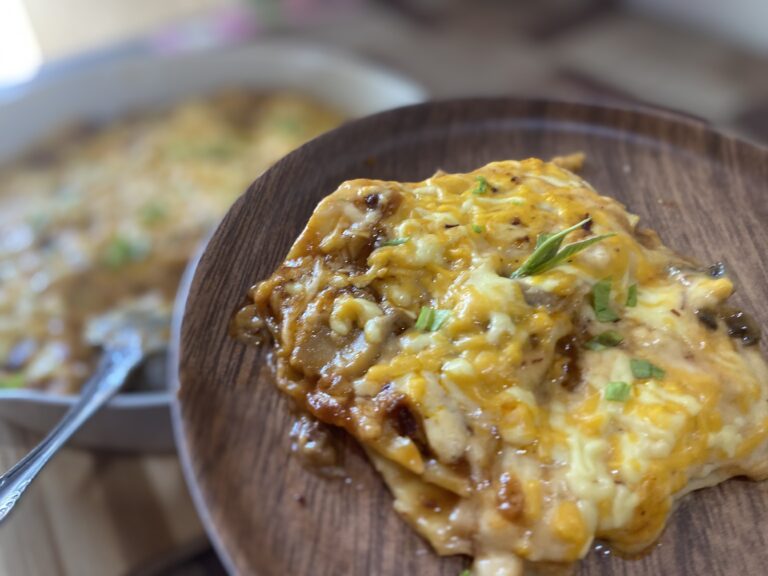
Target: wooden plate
<point>706,194</point>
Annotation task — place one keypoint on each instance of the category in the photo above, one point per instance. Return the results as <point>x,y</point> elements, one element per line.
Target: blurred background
<point>87,215</point>
<point>703,57</point>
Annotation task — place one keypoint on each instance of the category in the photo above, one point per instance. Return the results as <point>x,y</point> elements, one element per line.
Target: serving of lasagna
<point>527,368</point>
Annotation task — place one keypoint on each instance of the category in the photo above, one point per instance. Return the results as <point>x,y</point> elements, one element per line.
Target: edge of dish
<point>174,385</point>
<point>321,56</point>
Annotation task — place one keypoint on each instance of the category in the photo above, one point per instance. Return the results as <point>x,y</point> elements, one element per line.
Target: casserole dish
<point>99,94</point>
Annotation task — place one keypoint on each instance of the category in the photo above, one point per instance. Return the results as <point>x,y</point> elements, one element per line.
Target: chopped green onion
<point>39,221</point>
<point>547,253</point>
<point>396,241</point>
<point>601,301</point>
<point>431,319</point>
<point>438,319</point>
<point>219,150</point>
<point>465,573</point>
<point>12,381</point>
<point>617,391</point>
<point>632,296</point>
<point>289,125</point>
<point>644,369</point>
<point>482,185</point>
<point>607,339</point>
<point>478,229</point>
<point>121,250</point>
<point>153,213</point>
<point>215,150</point>
<point>424,319</point>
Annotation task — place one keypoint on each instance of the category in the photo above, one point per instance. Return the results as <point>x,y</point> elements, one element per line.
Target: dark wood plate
<point>705,193</point>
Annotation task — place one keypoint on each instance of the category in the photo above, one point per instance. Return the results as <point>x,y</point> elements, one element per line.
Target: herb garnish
<point>289,125</point>
<point>220,150</point>
<point>431,319</point>
<point>548,254</point>
<point>153,212</point>
<point>12,381</point>
<point>601,301</point>
<point>632,296</point>
<point>482,185</point>
<point>644,369</point>
<point>617,391</point>
<point>396,241</point>
<point>39,221</point>
<point>121,250</point>
<point>607,339</point>
<point>478,228</point>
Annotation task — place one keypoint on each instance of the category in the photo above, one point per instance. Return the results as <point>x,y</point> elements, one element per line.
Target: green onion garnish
<point>396,241</point>
<point>39,221</point>
<point>644,369</point>
<point>601,301</point>
<point>431,319</point>
<point>153,212</point>
<point>121,250</point>
<point>607,339</point>
<point>465,573</point>
<point>439,318</point>
<point>214,150</point>
<point>425,315</point>
<point>12,381</point>
<point>478,229</point>
<point>289,125</point>
<point>547,253</point>
<point>632,296</point>
<point>482,185</point>
<point>617,391</point>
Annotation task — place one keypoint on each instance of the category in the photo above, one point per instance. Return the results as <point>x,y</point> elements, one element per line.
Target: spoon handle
<point>113,369</point>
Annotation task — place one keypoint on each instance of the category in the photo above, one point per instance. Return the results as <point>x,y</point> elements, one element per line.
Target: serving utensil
<point>705,193</point>
<point>128,337</point>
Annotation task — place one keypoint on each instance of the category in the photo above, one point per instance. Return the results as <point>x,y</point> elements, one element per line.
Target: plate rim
<point>638,110</point>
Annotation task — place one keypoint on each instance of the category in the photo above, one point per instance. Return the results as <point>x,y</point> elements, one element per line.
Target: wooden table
<point>92,513</point>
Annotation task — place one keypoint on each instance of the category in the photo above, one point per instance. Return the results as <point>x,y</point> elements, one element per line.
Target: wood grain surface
<point>92,513</point>
<point>705,193</point>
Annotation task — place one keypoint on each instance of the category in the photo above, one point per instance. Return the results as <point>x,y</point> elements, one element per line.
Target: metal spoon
<point>127,337</point>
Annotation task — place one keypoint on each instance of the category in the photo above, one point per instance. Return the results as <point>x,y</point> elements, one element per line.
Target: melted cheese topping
<point>493,427</point>
<point>100,222</point>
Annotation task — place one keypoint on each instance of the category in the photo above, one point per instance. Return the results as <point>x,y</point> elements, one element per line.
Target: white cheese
<point>727,439</point>
<point>501,324</point>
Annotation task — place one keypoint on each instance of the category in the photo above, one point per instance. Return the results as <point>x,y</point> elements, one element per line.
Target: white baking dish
<point>140,421</point>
